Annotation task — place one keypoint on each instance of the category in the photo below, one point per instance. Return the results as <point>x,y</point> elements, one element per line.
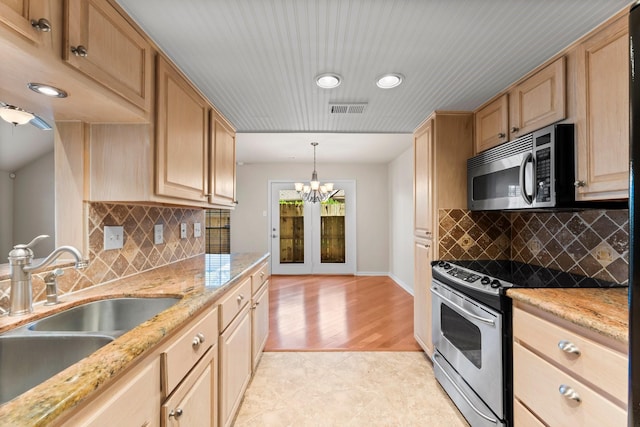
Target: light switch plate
<point>113,237</point>
<point>183,230</point>
<point>197,229</point>
<point>158,234</point>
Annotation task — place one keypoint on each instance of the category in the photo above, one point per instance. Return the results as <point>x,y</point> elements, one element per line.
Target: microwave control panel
<point>543,174</point>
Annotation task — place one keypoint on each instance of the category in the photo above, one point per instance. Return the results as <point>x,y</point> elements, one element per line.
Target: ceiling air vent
<point>351,108</point>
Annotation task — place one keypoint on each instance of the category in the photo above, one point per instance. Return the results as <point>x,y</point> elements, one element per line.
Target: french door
<point>313,238</point>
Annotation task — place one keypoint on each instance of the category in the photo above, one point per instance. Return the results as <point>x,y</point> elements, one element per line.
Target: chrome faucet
<point>21,298</point>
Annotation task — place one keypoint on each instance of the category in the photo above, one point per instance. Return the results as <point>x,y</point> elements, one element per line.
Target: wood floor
<point>311,313</point>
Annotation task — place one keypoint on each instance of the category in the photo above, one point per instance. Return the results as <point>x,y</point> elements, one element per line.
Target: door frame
<point>312,264</point>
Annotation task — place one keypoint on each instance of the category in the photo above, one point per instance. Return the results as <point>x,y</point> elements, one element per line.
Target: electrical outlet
<point>158,234</point>
<point>197,230</point>
<point>183,230</point>
<point>113,237</point>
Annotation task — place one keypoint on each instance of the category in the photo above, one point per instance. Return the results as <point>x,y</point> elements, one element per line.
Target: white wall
<point>250,230</point>
<point>401,220</point>
<point>6,214</point>
<point>34,189</point>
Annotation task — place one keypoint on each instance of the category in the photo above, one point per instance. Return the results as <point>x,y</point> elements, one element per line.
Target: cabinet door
<point>121,404</point>
<point>603,114</point>
<point>17,15</point>
<point>194,401</point>
<point>235,365</point>
<point>259,323</point>
<point>492,123</point>
<point>181,137</point>
<point>422,191</point>
<point>422,295</point>
<point>103,45</point>
<point>538,101</point>
<point>223,163</point>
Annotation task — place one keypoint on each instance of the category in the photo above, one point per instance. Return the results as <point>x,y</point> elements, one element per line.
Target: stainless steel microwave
<point>532,172</point>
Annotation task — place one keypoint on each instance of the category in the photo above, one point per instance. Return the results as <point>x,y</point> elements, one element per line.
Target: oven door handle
<point>464,396</point>
<point>464,310</point>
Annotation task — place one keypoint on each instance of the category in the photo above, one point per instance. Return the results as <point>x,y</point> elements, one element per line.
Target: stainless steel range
<point>471,325</point>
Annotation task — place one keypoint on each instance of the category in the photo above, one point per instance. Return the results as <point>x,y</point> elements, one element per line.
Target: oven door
<point>468,335</point>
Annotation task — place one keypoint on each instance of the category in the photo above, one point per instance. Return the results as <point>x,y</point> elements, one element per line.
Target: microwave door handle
<point>523,170</point>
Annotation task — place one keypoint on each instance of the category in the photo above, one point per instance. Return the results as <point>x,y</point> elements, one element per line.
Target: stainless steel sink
<point>28,360</point>
<point>37,351</point>
<point>110,315</point>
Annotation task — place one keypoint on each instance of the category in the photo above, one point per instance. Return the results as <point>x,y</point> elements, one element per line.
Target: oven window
<point>463,334</point>
<point>495,185</point>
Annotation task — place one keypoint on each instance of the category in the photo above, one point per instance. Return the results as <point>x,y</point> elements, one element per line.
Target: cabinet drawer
<point>522,417</point>
<point>258,278</point>
<point>536,383</point>
<point>231,304</point>
<point>595,363</point>
<point>182,354</point>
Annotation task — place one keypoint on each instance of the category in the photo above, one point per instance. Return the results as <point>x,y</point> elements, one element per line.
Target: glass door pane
<point>332,230</point>
<point>291,227</point>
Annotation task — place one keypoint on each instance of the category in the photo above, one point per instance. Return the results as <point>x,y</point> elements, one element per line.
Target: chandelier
<point>314,192</point>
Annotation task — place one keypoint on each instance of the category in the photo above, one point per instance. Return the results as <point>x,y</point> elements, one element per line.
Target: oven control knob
<point>485,280</point>
<point>495,283</point>
<point>446,266</point>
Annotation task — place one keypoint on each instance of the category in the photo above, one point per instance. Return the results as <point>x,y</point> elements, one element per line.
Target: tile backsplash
<point>138,253</point>
<point>591,243</point>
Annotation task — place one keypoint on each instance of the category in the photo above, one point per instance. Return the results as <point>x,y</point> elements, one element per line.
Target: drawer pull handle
<point>177,413</point>
<point>240,298</point>
<point>569,393</point>
<point>197,340</point>
<point>569,347</point>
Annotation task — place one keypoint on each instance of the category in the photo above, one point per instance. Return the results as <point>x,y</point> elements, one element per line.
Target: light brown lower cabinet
<point>192,404</point>
<point>259,322</point>
<point>235,365</point>
<point>565,375</point>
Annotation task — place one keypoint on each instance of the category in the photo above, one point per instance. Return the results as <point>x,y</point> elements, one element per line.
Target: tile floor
<point>346,389</point>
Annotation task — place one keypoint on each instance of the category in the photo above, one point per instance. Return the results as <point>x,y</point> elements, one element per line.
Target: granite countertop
<point>198,281</point>
<point>605,311</point>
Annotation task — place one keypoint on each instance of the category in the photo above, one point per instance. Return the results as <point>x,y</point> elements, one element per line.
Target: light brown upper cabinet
<point>602,124</point>
<point>539,100</point>
<point>534,103</point>
<point>422,201</point>
<point>182,141</point>
<point>222,177</point>
<point>33,20</point>
<point>492,124</point>
<point>102,44</point>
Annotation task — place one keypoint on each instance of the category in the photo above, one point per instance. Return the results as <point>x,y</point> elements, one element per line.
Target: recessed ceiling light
<point>388,81</point>
<point>48,90</point>
<point>328,80</point>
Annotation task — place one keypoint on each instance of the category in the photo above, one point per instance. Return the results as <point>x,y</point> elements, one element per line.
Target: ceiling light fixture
<point>328,80</point>
<point>15,115</point>
<point>388,81</point>
<point>314,192</point>
<point>47,90</point>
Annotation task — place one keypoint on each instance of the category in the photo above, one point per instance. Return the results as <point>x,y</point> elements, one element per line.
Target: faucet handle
<point>51,276</point>
<point>32,243</point>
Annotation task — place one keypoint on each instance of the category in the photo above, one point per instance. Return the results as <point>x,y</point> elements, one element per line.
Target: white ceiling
<point>256,59</point>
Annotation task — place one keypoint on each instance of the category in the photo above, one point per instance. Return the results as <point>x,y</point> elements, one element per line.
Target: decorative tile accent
<point>138,253</point>
<point>473,235</point>
<point>593,243</point>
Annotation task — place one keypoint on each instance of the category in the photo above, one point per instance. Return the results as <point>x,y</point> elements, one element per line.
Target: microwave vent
<point>351,108</point>
<point>517,146</point>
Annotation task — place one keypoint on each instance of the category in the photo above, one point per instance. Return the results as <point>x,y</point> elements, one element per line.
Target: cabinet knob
<point>569,393</point>
<point>502,135</point>
<point>579,183</point>
<point>80,51</point>
<point>197,340</point>
<point>41,25</point>
<point>240,298</point>
<point>176,413</point>
<point>254,306</point>
<point>569,347</point>
<point>514,129</point>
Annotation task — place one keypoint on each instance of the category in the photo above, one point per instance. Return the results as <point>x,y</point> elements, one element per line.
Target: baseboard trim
<point>407,288</point>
